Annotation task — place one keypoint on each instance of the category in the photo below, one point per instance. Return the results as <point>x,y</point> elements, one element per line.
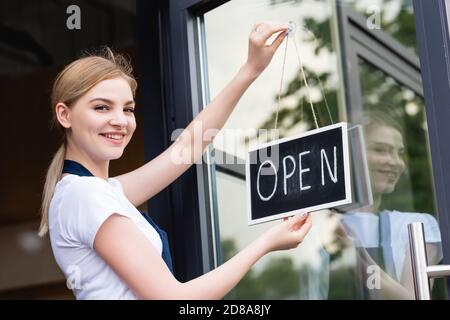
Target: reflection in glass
<point>302,273</point>
<point>394,17</point>
<point>400,173</point>
<point>342,251</point>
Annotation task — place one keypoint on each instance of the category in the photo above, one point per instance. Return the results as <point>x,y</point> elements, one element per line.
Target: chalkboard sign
<point>304,173</point>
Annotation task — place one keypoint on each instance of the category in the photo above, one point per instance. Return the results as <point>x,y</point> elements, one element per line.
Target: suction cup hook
<point>292,28</point>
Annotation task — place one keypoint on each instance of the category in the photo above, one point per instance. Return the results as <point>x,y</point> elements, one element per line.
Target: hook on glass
<point>292,27</point>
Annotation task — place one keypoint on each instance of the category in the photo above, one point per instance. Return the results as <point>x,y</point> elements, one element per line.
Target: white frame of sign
<point>348,193</point>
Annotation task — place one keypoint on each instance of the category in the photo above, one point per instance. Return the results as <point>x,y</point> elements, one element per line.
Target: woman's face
<point>385,153</point>
<point>102,121</point>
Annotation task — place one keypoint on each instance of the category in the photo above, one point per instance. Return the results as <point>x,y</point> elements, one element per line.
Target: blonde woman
<point>102,243</point>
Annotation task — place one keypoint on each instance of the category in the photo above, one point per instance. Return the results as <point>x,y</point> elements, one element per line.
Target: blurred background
<point>35,44</point>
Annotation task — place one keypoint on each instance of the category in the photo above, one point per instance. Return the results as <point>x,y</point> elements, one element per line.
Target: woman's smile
<point>391,175</point>
<point>114,138</point>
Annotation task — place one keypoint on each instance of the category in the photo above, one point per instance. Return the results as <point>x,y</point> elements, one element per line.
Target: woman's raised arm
<point>143,183</point>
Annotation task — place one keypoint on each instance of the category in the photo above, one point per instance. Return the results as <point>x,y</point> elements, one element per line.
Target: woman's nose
<point>396,160</point>
<point>119,119</point>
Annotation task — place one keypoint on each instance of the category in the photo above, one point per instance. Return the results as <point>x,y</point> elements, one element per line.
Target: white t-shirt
<point>78,208</point>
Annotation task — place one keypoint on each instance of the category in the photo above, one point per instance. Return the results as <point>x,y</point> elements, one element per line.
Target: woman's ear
<point>63,114</point>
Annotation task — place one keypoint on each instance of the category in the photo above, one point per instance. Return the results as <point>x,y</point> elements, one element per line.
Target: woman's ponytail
<point>53,175</point>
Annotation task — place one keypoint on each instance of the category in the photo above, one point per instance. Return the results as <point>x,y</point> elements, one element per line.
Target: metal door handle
<point>422,272</point>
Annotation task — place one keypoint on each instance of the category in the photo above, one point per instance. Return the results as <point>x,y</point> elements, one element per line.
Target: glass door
<point>364,76</point>
<point>385,95</point>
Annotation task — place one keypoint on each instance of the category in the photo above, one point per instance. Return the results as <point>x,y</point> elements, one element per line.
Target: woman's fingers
<point>298,219</point>
<point>264,30</point>
<point>269,30</point>
<point>278,40</point>
<point>304,229</point>
<point>257,25</point>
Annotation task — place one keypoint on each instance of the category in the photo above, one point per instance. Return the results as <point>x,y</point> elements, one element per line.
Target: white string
<point>318,79</point>
<point>292,30</point>
<point>281,84</point>
<point>306,85</point>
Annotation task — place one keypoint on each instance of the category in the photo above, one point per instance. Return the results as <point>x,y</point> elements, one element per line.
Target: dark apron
<point>76,168</point>
<point>382,254</point>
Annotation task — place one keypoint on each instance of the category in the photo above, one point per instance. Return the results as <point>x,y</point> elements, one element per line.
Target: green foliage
<point>278,280</point>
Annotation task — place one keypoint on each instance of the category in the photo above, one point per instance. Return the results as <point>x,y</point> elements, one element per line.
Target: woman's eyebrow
<point>379,143</point>
<point>110,101</point>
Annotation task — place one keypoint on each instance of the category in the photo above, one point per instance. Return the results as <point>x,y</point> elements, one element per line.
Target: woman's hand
<point>259,53</point>
<point>288,234</point>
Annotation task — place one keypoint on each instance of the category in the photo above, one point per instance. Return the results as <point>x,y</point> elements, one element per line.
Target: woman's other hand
<point>287,234</point>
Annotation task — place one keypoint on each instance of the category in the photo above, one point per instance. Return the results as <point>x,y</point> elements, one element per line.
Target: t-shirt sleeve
<point>431,228</point>
<point>433,235</point>
<point>86,204</point>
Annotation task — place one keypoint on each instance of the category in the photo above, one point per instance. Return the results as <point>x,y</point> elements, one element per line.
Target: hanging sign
<point>303,173</point>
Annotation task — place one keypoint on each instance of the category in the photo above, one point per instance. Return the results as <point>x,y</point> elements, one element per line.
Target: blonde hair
<point>70,85</point>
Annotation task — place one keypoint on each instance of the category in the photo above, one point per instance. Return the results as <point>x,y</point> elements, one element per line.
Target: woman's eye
<point>101,107</point>
<point>379,149</point>
<point>129,110</point>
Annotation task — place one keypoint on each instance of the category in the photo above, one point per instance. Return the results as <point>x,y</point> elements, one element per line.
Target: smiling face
<point>385,153</point>
<point>102,121</point>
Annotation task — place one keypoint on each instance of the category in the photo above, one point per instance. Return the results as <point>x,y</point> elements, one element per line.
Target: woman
<point>383,234</point>
<point>104,246</point>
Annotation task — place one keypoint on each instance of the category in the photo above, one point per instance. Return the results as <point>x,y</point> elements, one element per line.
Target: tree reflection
<point>278,280</point>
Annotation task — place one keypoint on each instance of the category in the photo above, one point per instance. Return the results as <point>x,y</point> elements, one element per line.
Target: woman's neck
<point>98,169</point>
<point>375,207</point>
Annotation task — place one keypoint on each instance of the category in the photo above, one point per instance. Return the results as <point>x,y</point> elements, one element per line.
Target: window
<point>384,96</point>
<point>302,273</point>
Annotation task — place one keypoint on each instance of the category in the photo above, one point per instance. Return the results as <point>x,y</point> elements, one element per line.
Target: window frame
<point>433,37</point>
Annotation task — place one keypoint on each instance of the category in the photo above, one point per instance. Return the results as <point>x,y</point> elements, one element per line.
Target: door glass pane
<point>256,110</point>
<point>400,170</point>
<point>361,254</point>
<point>296,274</point>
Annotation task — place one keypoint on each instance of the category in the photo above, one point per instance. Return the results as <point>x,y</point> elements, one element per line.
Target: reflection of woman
<point>105,247</point>
<point>383,234</point>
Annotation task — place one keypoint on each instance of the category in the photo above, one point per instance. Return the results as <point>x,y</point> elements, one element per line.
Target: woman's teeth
<point>113,136</point>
